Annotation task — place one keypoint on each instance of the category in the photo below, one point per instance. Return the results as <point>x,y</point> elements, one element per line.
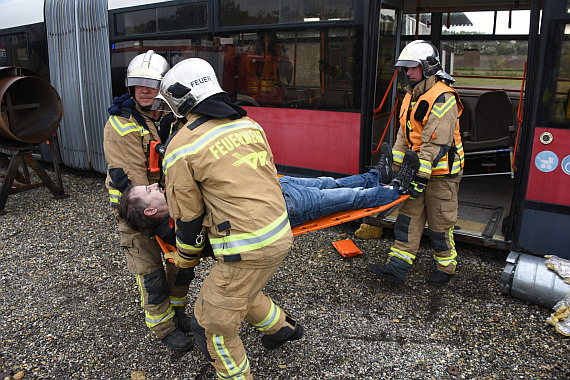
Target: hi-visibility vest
<point>413,128</point>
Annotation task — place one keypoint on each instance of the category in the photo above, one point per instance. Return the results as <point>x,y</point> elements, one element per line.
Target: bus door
<point>543,212</point>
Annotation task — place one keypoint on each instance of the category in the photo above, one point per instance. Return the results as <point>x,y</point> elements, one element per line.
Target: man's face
<point>145,95</point>
<point>414,73</point>
<point>152,195</point>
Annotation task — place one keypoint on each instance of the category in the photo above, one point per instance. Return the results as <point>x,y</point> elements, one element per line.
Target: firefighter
<point>128,132</point>
<point>429,125</point>
<point>221,180</point>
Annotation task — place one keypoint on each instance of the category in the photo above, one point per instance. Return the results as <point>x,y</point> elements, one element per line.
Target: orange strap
<point>166,248</point>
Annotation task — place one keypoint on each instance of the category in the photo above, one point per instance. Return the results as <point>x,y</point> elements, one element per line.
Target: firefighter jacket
<point>126,146</point>
<point>220,176</point>
<point>429,125</point>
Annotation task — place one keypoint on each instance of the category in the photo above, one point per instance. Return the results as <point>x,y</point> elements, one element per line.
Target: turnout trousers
<point>162,286</point>
<point>438,206</point>
<point>230,294</point>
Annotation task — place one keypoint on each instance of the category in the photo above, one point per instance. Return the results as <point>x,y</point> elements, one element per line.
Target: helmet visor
<point>159,104</point>
<point>406,63</point>
<point>144,82</point>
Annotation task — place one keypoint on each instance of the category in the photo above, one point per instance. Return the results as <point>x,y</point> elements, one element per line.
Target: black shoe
<point>385,272</point>
<point>408,170</point>
<point>271,342</point>
<point>183,321</point>
<point>439,278</point>
<point>177,341</point>
<point>396,270</point>
<point>384,165</point>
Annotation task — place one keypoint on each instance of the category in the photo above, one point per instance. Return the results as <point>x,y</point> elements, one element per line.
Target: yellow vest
<point>414,128</point>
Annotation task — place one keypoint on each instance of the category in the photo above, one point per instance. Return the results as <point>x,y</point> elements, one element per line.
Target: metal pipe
<point>31,109</point>
<point>528,278</point>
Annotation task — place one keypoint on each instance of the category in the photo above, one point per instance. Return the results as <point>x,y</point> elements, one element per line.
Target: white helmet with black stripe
<point>186,85</point>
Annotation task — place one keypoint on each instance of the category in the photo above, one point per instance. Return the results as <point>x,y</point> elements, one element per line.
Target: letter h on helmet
<point>186,85</point>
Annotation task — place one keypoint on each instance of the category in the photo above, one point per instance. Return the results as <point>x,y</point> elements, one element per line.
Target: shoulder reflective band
<point>126,128</point>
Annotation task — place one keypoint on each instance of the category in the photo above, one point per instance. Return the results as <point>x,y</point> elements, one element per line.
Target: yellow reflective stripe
<point>229,245</point>
<point>445,261</point>
<point>398,156</point>
<point>409,125</point>
<point>406,256</point>
<point>440,111</point>
<point>178,301</point>
<point>271,319</point>
<point>425,166</point>
<point>190,247</point>
<point>233,370</point>
<point>456,167</point>
<point>139,285</point>
<point>153,320</point>
<point>442,164</point>
<point>124,129</point>
<point>114,195</point>
<point>204,140</point>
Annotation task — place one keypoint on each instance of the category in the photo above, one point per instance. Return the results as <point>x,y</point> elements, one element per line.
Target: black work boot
<point>285,334</point>
<point>409,168</point>
<point>183,321</point>
<point>384,165</point>
<point>396,270</point>
<point>177,341</point>
<point>439,278</point>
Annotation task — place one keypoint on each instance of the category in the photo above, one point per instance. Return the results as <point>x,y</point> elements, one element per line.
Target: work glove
<point>417,187</point>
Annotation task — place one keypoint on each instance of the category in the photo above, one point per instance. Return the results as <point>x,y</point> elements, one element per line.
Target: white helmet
<point>186,85</point>
<point>422,53</point>
<point>146,70</point>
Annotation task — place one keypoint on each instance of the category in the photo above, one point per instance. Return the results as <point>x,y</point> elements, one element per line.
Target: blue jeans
<point>311,198</point>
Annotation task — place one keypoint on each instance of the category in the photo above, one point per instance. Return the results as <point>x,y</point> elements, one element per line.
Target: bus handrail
<point>377,110</point>
<point>386,94</point>
<point>519,119</point>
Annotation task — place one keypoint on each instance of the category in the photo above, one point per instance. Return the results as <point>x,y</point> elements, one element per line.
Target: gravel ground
<point>69,308</point>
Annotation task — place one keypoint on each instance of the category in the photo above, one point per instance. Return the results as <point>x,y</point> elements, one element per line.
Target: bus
<point>319,77</point>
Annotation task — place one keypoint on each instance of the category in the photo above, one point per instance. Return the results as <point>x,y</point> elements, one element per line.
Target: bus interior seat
<point>494,130</point>
<point>465,123</point>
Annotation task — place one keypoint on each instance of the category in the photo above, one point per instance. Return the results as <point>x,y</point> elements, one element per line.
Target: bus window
<point>411,23</point>
<point>311,69</point>
<point>255,12</point>
<point>555,97</point>
<point>487,65</point>
<point>162,19</point>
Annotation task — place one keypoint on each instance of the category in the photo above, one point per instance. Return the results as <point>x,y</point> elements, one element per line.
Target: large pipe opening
<point>30,107</point>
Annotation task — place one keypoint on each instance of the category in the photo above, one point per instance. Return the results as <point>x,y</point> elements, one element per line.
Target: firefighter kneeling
<point>234,198</point>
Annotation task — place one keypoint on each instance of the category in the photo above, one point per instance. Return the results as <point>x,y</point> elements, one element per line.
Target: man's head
<point>186,85</point>
<point>142,207</point>
<point>144,74</point>
<point>420,59</point>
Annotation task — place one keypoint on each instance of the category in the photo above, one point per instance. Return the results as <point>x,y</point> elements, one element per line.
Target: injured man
<point>144,208</point>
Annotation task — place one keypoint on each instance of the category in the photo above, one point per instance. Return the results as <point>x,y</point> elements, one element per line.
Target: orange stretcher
<point>319,224</point>
<point>343,217</point>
